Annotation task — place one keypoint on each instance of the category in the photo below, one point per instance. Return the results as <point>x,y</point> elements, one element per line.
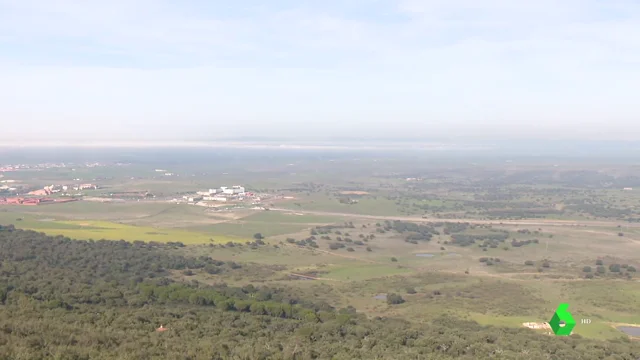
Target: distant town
<point>21,192</point>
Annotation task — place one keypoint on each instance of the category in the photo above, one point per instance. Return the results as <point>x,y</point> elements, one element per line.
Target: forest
<point>70,299</point>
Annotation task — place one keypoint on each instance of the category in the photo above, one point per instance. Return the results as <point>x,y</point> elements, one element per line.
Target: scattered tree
<point>394,299</point>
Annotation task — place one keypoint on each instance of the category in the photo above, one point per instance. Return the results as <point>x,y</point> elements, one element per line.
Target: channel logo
<point>562,323</point>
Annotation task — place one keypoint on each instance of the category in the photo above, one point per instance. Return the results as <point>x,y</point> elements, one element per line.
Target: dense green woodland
<point>67,299</point>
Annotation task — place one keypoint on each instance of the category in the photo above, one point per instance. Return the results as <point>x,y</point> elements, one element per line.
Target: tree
<point>614,268</point>
<point>394,299</point>
<point>411,290</point>
<point>599,262</point>
<point>258,236</point>
<point>586,269</point>
<point>80,286</point>
<point>529,263</point>
<point>394,259</point>
<point>369,249</point>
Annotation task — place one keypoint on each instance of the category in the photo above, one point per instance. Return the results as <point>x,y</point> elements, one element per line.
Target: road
<point>529,222</point>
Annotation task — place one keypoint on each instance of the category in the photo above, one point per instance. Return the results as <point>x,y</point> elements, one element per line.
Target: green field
<point>363,272</point>
<point>248,229</point>
<point>96,230</point>
<point>278,217</point>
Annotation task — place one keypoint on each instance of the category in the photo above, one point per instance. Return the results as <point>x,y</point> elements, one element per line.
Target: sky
<point>200,70</point>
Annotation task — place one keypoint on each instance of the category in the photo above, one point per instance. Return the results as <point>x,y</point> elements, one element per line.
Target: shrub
<point>394,299</point>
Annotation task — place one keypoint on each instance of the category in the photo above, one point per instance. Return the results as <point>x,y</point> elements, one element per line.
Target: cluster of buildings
<point>17,167</point>
<point>41,196</point>
<point>53,189</point>
<point>5,187</point>
<point>222,194</point>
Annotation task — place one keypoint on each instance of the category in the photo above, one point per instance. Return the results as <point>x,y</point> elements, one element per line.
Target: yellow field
<point>97,230</point>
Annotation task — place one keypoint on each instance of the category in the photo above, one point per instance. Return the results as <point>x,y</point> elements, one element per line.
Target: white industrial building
<point>223,194</point>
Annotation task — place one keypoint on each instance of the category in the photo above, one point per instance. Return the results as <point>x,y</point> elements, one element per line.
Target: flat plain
<point>498,243</point>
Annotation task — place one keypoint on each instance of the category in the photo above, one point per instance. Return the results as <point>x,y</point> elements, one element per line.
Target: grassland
<point>277,217</point>
<point>453,280</point>
<point>506,294</point>
<point>97,230</point>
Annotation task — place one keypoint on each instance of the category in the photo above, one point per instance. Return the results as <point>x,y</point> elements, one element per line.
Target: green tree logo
<point>562,322</point>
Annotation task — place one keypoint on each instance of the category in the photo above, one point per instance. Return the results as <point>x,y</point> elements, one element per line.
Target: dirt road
<point>529,222</point>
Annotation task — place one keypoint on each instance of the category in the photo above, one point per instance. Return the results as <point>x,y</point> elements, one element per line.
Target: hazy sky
<point>144,69</point>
